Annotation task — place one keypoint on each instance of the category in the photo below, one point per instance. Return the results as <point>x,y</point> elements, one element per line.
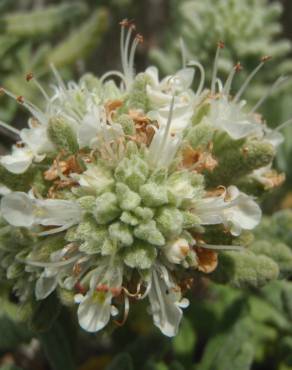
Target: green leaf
<point>122,361</point>
<point>185,340</point>
<point>45,313</point>
<point>12,333</point>
<point>56,345</point>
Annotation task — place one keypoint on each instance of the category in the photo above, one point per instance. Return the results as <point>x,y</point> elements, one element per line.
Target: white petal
<point>165,310</point>
<point>37,139</point>
<point>94,312</point>
<point>18,209</point>
<point>45,286</point>
<point>17,162</point>
<point>57,212</point>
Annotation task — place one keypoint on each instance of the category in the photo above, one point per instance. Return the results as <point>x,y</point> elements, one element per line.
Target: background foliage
<point>225,327</point>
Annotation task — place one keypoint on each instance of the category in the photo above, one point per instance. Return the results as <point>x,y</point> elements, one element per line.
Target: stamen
<point>9,128</point>
<point>183,52</point>
<point>126,312</point>
<point>228,83</point>
<point>221,247</point>
<point>220,45</point>
<point>35,111</point>
<point>58,77</point>
<point>30,77</point>
<point>283,125</point>
<point>250,77</point>
<point>113,73</point>
<point>194,63</point>
<point>275,85</point>
<point>168,124</point>
<point>138,40</point>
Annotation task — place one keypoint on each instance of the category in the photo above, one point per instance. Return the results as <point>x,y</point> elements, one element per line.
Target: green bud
<point>108,247</point>
<point>127,124</point>
<point>132,171</point>
<point>129,218</point>
<point>121,233</point>
<point>62,135</point>
<point>140,255</point>
<point>200,135</point>
<point>201,113</point>
<point>138,98</point>
<point>153,195</point>
<point>279,252</point>
<point>237,159</point>
<point>106,208</point>
<point>144,213</point>
<point>170,222</point>
<point>128,199</point>
<point>87,203</point>
<point>245,269</point>
<point>149,232</point>
<point>190,219</point>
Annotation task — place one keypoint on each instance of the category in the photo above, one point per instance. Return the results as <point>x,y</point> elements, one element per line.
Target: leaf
<point>12,333</point>
<point>185,340</point>
<point>122,361</point>
<point>232,347</point>
<point>56,345</point>
<point>45,313</point>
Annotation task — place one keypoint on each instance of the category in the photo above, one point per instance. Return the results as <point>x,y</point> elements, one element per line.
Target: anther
<point>29,76</point>
<point>238,67</point>
<point>20,99</point>
<point>139,38</point>
<point>266,58</point>
<point>220,44</point>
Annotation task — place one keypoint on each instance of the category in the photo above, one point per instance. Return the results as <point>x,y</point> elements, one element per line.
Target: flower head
<point>118,188</point>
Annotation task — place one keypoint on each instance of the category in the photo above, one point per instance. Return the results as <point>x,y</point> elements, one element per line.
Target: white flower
<point>18,161</point>
<point>232,209</point>
<point>177,250</point>
<point>36,145</point>
<point>160,93</point>
<point>229,116</point>
<point>95,308</point>
<point>59,270</point>
<point>96,179</point>
<point>20,210</point>
<point>165,300</point>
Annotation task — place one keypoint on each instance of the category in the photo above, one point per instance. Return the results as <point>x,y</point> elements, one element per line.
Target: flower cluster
<point>119,192</point>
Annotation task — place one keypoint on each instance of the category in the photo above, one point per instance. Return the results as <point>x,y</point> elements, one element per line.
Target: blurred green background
<point>225,328</point>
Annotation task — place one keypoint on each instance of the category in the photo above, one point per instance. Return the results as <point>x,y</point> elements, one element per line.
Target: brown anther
<point>266,58</point>
<point>2,91</point>
<point>207,260</point>
<point>20,99</point>
<point>29,76</point>
<point>127,23</point>
<point>220,44</point>
<point>238,67</point>
<point>19,144</point>
<point>245,150</point>
<point>139,38</point>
